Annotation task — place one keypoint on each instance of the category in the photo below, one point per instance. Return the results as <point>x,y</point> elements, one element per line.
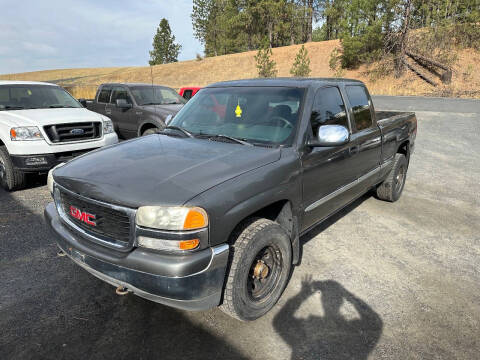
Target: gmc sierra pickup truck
<point>210,211</point>
<point>42,125</point>
<point>135,109</point>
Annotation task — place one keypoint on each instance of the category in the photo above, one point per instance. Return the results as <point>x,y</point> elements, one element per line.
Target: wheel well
<point>146,127</point>
<point>404,149</point>
<point>280,211</point>
<point>1,143</point>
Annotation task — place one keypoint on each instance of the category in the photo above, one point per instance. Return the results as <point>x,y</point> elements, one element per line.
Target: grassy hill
<point>83,82</point>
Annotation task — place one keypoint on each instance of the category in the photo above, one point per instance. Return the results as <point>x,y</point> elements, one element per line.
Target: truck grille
<point>73,132</point>
<point>111,226</point>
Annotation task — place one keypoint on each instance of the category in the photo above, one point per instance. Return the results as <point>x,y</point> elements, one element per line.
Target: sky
<point>57,34</point>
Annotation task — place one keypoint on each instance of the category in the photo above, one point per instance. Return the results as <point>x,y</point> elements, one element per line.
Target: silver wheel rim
<point>399,179</point>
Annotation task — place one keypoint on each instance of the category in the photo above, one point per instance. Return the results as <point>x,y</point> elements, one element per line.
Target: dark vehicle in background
<point>135,109</point>
<point>210,211</point>
<point>188,92</point>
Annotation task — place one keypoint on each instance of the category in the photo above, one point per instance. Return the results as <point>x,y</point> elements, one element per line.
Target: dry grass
<point>83,82</point>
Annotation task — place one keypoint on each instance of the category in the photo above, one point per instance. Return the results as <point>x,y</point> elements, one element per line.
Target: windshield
<point>156,95</point>
<point>24,97</point>
<point>265,115</point>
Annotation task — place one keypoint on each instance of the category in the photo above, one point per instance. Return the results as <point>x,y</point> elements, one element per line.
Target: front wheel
<point>259,270</point>
<point>149,131</point>
<point>10,178</point>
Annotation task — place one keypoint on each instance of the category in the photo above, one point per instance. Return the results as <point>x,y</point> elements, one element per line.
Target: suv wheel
<point>10,178</point>
<point>391,188</point>
<point>259,270</point>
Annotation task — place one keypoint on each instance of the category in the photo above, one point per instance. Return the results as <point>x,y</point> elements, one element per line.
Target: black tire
<point>259,243</point>
<point>149,131</point>
<point>391,188</point>
<point>10,178</point>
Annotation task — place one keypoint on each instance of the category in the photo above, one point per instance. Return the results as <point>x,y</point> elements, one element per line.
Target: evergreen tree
<point>265,65</point>
<point>301,65</point>
<point>165,50</point>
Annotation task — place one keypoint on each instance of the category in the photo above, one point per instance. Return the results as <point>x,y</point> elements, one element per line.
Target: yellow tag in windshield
<point>238,111</point>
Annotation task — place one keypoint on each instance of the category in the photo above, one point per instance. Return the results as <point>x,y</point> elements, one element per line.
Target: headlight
<point>107,126</point>
<point>50,178</point>
<point>172,217</point>
<point>25,133</point>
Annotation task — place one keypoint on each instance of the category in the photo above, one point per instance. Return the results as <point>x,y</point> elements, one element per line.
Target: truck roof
<point>286,81</point>
<point>132,84</point>
<point>19,82</point>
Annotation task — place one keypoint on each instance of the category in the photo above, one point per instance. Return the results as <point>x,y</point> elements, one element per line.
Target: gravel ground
<point>379,280</point>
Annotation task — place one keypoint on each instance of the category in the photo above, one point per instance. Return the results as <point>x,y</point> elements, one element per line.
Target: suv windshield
<point>24,97</point>
<point>263,115</point>
<point>155,95</point>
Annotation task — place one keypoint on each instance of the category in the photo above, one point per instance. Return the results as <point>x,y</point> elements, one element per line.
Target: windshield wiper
<point>188,133</point>
<point>152,103</point>
<point>58,106</point>
<point>171,103</point>
<point>231,138</point>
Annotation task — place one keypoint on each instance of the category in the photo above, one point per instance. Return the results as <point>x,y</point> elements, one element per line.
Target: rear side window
<point>328,109</point>
<point>358,98</point>
<point>104,96</point>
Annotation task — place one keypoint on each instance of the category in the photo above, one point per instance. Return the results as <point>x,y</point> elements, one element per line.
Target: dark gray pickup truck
<point>210,211</point>
<point>135,109</point>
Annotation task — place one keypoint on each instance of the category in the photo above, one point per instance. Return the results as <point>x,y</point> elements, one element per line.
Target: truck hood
<point>162,110</point>
<point>42,117</point>
<point>159,169</point>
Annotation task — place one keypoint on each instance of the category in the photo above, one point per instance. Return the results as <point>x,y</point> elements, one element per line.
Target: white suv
<point>42,125</point>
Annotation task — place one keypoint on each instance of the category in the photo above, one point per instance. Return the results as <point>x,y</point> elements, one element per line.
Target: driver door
<point>122,118</point>
<point>328,172</point>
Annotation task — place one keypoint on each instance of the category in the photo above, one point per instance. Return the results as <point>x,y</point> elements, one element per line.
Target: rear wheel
<point>259,271</point>
<point>391,188</point>
<point>10,178</point>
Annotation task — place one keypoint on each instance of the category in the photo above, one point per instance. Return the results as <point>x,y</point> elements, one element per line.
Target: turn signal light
<point>188,244</point>
<point>196,218</point>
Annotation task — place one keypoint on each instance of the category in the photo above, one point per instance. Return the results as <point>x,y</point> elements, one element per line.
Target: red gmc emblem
<point>83,216</point>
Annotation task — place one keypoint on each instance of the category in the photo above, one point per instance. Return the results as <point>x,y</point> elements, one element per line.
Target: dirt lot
<point>379,280</point>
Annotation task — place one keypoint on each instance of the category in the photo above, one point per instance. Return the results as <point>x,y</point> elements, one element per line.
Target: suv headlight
<point>108,126</point>
<point>25,133</point>
<point>172,217</point>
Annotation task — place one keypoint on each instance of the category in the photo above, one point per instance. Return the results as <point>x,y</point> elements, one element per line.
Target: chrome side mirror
<point>331,135</point>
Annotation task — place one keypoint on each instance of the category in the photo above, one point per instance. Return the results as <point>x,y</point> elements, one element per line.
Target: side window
<point>104,96</point>
<point>120,93</point>
<point>361,108</point>
<point>187,94</point>
<point>328,109</point>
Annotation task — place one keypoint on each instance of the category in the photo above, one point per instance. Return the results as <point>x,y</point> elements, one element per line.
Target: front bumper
<point>191,282</point>
<point>25,163</point>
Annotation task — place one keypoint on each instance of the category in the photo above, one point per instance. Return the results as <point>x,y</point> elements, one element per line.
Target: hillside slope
<point>83,82</point>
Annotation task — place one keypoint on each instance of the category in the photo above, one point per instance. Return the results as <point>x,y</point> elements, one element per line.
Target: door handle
<point>354,149</point>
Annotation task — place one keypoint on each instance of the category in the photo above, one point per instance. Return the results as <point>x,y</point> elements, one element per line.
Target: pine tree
<point>265,65</point>
<point>301,65</point>
<point>165,50</point>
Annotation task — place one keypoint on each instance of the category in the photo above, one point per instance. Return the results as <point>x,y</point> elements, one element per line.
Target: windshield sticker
<point>238,110</point>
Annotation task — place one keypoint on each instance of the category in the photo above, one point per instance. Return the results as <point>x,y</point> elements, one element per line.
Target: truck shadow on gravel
<point>332,335</point>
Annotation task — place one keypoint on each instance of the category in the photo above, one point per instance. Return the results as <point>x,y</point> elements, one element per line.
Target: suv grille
<point>73,132</point>
<point>111,225</point>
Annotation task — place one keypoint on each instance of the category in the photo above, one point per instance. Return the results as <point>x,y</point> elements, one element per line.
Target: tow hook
<point>61,253</point>
<point>121,290</point>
